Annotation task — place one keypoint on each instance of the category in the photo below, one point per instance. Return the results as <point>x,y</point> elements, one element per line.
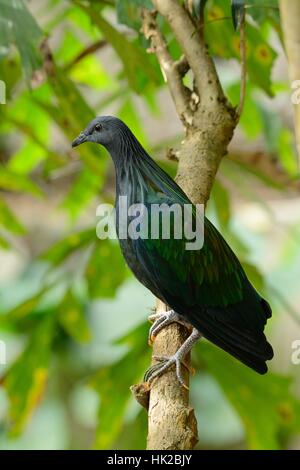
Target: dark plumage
<point>208,287</point>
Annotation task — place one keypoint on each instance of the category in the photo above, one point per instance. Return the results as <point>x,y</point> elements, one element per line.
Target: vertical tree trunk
<point>290,16</point>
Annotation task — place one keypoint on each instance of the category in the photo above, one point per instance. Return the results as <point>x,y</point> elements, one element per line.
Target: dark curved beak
<point>79,140</point>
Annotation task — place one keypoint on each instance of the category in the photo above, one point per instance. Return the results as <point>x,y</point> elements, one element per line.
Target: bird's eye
<point>98,127</point>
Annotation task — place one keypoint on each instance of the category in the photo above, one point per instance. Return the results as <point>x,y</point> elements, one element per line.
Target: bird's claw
<point>154,316</point>
<point>160,321</point>
<point>191,369</point>
<point>164,363</point>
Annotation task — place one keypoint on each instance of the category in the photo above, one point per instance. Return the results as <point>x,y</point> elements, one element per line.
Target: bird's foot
<point>163,319</point>
<point>164,362</point>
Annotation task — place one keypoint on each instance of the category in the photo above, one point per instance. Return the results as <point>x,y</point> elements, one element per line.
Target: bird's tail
<point>248,346</point>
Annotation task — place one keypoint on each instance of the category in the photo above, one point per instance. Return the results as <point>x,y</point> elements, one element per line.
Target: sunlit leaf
<point>255,276</point>
<point>15,182</point>
<point>83,189</point>
<point>72,123</point>
<point>25,380</point>
<point>221,200</point>
<point>89,71</point>
<point>72,242</point>
<point>27,157</point>
<point>262,10</point>
<point>287,151</point>
<point>251,120</point>
<point>4,244</point>
<point>264,403</point>
<point>8,220</point>
<point>113,382</point>
<point>137,65</point>
<point>129,114</point>
<point>225,42</point>
<point>71,316</point>
<point>106,269</point>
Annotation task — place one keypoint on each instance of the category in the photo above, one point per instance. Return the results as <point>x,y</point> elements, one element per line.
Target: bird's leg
<point>164,362</point>
<point>161,320</point>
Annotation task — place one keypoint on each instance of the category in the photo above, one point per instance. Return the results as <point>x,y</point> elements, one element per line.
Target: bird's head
<point>103,130</point>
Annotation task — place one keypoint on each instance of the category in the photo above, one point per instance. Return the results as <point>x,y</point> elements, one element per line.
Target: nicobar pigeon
<point>206,289</point>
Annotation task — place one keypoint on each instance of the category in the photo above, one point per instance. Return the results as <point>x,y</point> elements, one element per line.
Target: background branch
<point>243,55</point>
<point>94,47</point>
<point>290,14</point>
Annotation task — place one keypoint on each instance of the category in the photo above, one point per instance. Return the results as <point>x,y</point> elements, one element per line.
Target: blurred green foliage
<point>48,308</point>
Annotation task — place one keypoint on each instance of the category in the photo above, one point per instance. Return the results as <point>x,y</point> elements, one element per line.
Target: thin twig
<point>94,47</point>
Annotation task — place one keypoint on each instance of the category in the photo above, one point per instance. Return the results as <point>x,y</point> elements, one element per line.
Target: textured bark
<point>171,421</point>
<point>290,14</point>
<point>209,122</point>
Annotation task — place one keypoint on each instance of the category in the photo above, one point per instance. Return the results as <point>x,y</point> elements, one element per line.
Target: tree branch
<point>171,421</point>
<point>243,54</point>
<point>95,46</point>
<point>290,14</point>
<point>172,71</point>
<point>193,46</point>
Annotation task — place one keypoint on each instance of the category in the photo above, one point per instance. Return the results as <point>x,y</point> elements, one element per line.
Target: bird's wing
<point>214,269</point>
<point>211,276</point>
<point>210,289</point>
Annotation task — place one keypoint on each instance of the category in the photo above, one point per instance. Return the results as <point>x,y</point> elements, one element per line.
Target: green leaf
<point>251,119</point>
<point>89,71</point>
<point>17,26</point>
<point>72,123</point>
<point>225,42</point>
<point>84,188</point>
<point>129,114</point>
<point>255,276</point>
<point>106,269</point>
<point>129,12</point>
<point>24,308</point>
<point>138,68</point>
<point>133,434</point>
<point>72,318</point>
<point>262,10</point>
<point>12,181</point>
<point>264,403</point>
<point>26,379</point>
<point>27,157</point>
<point>58,252</point>
<point>286,151</point>
<point>112,384</point>
<point>4,244</point>
<point>10,73</point>
<point>221,200</point>
<point>8,220</point>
